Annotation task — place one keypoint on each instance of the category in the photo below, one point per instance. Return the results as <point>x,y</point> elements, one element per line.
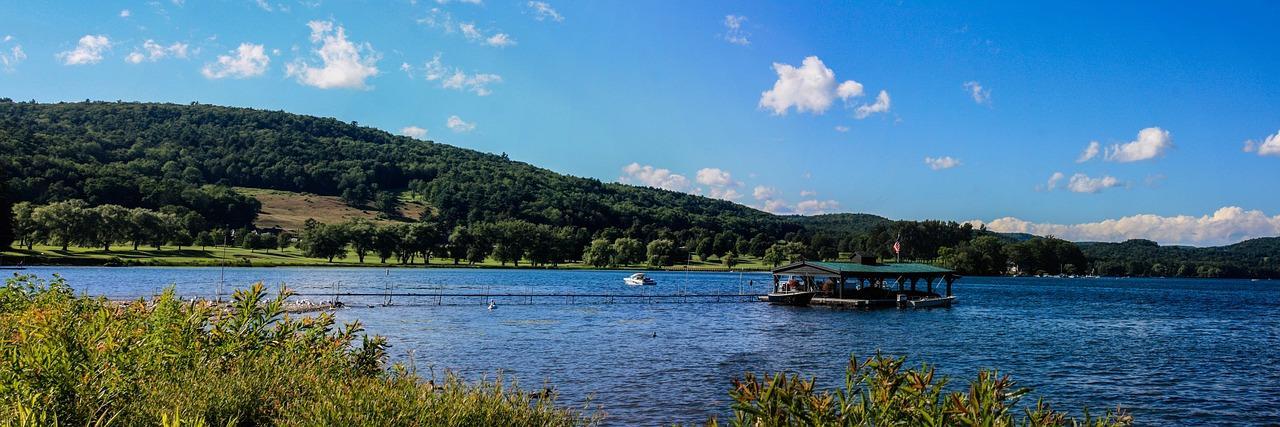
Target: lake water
<point>1171,351</point>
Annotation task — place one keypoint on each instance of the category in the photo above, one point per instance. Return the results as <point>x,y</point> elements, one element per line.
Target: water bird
<point>493,304</point>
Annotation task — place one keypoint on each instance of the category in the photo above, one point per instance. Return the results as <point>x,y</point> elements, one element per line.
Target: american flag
<point>897,247</point>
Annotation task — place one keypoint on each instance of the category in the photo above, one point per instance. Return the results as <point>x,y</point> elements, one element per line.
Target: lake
<point>1171,351</point>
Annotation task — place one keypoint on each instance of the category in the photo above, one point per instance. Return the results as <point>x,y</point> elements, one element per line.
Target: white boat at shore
<point>639,279</point>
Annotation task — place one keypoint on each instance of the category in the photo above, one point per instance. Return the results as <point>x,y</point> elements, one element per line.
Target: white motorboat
<point>931,302</point>
<point>639,279</point>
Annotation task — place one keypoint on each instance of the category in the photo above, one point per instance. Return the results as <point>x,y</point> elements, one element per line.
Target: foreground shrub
<point>879,392</point>
<point>68,360</point>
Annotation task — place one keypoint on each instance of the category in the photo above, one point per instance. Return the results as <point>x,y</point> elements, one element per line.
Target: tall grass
<point>68,360</point>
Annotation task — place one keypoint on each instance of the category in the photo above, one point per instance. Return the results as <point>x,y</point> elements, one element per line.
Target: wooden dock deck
<point>847,302</point>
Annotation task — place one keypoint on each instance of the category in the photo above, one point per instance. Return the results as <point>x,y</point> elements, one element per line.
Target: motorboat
<point>639,279</point>
<point>925,302</point>
<point>796,298</point>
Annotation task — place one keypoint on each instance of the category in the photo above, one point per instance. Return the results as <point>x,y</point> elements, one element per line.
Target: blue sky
<point>986,103</point>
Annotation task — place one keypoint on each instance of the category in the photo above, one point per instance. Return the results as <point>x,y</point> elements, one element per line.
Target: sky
<point>1089,121</point>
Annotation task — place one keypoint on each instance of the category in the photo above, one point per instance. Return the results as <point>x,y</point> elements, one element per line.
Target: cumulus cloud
<point>808,193</point>
<point>245,61</point>
<point>1081,183</point>
<point>455,78</point>
<point>1152,142</point>
<point>87,51</point>
<point>543,11</point>
<point>729,194</point>
<point>714,177</point>
<point>152,52</point>
<point>733,32</point>
<point>841,128</point>
<point>650,176</point>
<point>764,193</point>
<point>10,57</point>
<point>809,88</point>
<point>940,163</point>
<point>413,132</point>
<point>456,124</point>
<point>125,13</point>
<point>1270,146</point>
<point>344,64</point>
<point>1227,225</point>
<point>979,94</point>
<point>1089,152</point>
<point>816,207</point>
<point>880,106</point>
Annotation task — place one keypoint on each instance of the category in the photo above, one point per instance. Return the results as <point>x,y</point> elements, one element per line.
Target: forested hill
<point>155,155</point>
<point>1250,258</point>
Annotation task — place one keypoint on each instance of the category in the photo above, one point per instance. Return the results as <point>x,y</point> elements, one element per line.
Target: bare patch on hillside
<point>289,210</point>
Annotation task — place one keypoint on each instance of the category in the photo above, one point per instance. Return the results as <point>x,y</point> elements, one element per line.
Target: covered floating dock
<point>865,282</point>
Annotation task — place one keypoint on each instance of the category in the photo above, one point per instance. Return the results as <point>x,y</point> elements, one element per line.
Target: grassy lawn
<point>214,256</point>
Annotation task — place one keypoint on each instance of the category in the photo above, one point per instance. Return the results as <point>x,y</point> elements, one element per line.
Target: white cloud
<point>841,128</point>
<point>880,106</point>
<point>1227,225</point>
<point>815,207</point>
<point>456,124</point>
<point>474,34</point>
<point>500,40</point>
<point>729,194</point>
<point>245,61</point>
<point>1152,142</point>
<point>125,13</point>
<point>764,193</point>
<point>88,50</point>
<point>543,11</point>
<point>734,32</point>
<point>457,79</point>
<point>14,56</point>
<point>776,207</point>
<point>808,193</point>
<point>344,64</point>
<point>413,132</point>
<point>152,52</point>
<point>849,89</point>
<point>1089,152</point>
<point>264,5</point>
<point>1081,183</point>
<point>714,177</point>
<point>940,163</point>
<point>1054,180</point>
<point>980,95</point>
<point>1270,146</point>
<point>650,176</point>
<point>439,19</point>
<point>810,88</point>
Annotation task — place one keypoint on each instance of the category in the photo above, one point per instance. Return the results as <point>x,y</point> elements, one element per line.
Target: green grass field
<point>216,256</point>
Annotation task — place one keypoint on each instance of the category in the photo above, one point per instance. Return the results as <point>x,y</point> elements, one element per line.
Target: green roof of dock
<point>863,269</point>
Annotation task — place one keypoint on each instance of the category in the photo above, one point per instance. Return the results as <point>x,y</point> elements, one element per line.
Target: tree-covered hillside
<point>1250,258</point>
<point>154,155</point>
